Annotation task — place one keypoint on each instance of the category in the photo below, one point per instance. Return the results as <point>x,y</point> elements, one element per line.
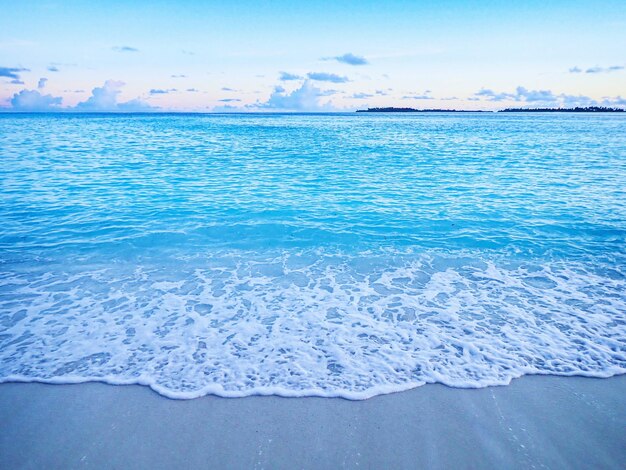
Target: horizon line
<point>416,111</point>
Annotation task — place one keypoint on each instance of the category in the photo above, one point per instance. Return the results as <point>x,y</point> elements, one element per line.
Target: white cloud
<point>531,96</point>
<point>419,96</point>
<point>286,76</point>
<point>521,94</point>
<point>361,96</point>
<point>135,105</point>
<point>327,77</point>
<point>104,99</point>
<point>349,58</point>
<point>12,72</point>
<point>539,98</point>
<point>32,100</point>
<point>614,101</point>
<point>160,91</point>
<point>227,108</point>
<point>305,98</point>
<point>612,68</point>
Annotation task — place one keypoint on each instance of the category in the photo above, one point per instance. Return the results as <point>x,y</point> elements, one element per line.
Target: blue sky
<point>310,56</point>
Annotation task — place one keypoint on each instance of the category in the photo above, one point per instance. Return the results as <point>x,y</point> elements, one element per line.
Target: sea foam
<point>314,323</point>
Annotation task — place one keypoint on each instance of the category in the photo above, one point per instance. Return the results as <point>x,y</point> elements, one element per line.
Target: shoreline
<point>537,420</point>
<point>219,392</point>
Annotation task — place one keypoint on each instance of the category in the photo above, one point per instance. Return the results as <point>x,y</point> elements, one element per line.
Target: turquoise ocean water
<point>335,255</point>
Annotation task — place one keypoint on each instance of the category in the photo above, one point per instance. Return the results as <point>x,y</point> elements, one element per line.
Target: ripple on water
<point>343,255</point>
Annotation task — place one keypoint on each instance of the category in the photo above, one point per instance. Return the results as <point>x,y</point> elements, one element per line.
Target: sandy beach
<point>536,422</point>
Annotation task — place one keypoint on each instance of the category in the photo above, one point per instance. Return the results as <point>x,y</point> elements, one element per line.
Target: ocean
<point>311,254</point>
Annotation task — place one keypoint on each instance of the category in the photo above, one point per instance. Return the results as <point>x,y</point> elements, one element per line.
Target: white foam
<point>313,323</point>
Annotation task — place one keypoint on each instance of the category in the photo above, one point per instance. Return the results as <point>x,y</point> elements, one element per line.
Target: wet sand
<point>537,421</point>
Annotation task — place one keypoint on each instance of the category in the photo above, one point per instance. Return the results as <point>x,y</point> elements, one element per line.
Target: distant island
<point>413,110</point>
<point>587,109</point>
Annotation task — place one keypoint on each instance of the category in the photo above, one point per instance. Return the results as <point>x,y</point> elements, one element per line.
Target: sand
<point>536,422</point>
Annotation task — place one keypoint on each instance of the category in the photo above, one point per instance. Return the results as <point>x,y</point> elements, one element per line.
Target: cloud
<point>615,101</point>
<point>492,95</point>
<point>571,101</point>
<point>612,68</point>
<point>12,72</point>
<point>424,96</point>
<point>330,92</point>
<point>597,69</point>
<point>286,76</point>
<point>104,99</point>
<point>32,100</point>
<point>178,76</point>
<point>227,108</point>
<point>54,66</point>
<point>192,90</point>
<point>42,83</point>
<point>229,100</point>
<point>361,96</point>
<point>305,98</point>
<point>134,105</point>
<point>327,77</point>
<point>349,59</point>
<point>125,49</point>
<point>16,81</point>
<point>522,94</point>
<point>225,88</point>
<point>535,98</point>
<point>159,91</point>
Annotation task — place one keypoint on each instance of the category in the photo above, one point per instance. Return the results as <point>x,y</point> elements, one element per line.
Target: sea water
<point>334,255</point>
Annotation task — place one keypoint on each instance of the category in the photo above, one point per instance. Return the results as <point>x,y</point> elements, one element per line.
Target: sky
<point>263,56</point>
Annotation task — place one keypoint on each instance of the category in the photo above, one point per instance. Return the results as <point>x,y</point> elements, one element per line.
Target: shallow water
<point>335,255</point>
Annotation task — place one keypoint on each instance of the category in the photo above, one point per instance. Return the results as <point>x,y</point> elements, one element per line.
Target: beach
<point>535,422</point>
<point>305,235</point>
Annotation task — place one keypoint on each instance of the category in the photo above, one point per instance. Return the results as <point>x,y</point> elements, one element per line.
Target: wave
<point>312,322</point>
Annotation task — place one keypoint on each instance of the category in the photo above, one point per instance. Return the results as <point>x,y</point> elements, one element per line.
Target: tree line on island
<point>577,109</point>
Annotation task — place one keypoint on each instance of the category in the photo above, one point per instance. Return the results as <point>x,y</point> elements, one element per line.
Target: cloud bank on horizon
<point>102,99</point>
<point>227,56</point>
